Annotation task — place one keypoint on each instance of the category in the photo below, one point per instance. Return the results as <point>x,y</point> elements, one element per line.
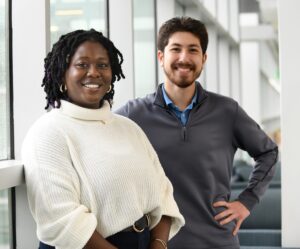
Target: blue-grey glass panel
<point>69,15</point>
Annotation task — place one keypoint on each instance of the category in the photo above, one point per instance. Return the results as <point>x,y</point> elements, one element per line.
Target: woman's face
<point>89,75</point>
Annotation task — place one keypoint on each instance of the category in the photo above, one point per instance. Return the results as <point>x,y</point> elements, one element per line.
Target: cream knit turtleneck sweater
<point>90,169</point>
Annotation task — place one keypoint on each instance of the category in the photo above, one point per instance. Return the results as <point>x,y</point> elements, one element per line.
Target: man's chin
<point>184,84</point>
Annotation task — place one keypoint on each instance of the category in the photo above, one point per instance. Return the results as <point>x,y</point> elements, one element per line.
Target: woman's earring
<point>62,88</point>
<point>109,89</point>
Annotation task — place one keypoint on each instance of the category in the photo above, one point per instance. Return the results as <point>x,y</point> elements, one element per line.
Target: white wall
<point>270,89</point>
<point>249,52</point>
<point>29,23</point>
<point>120,13</point>
<point>224,67</point>
<point>165,10</point>
<point>212,66</point>
<point>223,13</point>
<point>234,26</point>
<point>289,51</point>
<point>235,74</point>
<point>270,106</point>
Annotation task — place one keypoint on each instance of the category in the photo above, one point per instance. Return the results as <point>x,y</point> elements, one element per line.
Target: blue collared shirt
<point>181,115</point>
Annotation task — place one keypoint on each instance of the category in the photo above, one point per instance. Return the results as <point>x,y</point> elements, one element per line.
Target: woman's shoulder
<point>47,125</point>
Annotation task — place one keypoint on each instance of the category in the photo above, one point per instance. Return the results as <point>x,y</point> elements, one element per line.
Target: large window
<point>144,47</point>
<point>69,15</point>
<point>4,120</point>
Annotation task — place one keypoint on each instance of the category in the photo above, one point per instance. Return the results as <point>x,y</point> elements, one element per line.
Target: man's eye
<point>175,49</point>
<point>194,50</point>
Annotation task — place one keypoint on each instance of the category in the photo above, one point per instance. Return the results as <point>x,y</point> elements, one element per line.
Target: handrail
<point>11,174</point>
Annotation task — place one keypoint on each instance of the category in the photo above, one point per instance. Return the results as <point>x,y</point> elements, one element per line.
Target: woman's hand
<point>160,233</point>
<point>97,241</point>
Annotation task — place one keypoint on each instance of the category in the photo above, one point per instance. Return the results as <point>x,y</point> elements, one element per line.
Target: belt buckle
<point>141,230</point>
<point>136,229</point>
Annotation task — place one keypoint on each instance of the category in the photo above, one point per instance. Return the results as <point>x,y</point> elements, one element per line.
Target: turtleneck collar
<point>102,114</point>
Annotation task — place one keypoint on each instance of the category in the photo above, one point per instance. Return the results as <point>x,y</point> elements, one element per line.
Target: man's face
<point>182,59</point>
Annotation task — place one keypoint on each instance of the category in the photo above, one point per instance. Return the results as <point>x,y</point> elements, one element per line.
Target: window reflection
<point>69,15</point>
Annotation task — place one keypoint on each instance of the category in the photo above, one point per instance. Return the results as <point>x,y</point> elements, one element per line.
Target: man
<point>196,134</point>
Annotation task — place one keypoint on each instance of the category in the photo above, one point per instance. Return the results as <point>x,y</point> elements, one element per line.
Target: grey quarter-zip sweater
<point>198,160</point>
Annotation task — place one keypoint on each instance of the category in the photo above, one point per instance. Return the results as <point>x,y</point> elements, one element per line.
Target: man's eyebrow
<point>180,45</point>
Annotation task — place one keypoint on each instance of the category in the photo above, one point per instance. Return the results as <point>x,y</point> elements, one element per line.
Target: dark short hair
<point>58,61</point>
<point>182,24</point>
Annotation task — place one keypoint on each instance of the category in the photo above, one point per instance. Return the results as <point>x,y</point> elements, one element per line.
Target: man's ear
<point>204,58</point>
<point>160,57</point>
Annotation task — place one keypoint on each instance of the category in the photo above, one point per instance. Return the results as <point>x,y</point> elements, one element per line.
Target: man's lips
<point>183,67</point>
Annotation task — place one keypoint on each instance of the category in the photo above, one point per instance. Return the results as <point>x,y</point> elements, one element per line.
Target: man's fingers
<point>223,214</point>
<point>237,227</point>
<point>220,204</point>
<point>228,219</point>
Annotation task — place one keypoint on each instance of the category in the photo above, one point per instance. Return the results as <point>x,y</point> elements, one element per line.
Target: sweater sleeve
<point>167,202</point>
<point>53,189</point>
<point>250,137</point>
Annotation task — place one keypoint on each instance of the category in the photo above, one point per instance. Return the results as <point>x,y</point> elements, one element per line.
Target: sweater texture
<point>90,169</point>
<point>198,158</point>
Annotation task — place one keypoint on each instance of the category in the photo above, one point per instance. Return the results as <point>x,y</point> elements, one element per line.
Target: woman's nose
<point>93,71</point>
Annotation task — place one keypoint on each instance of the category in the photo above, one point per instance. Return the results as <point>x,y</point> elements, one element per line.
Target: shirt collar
<point>169,102</point>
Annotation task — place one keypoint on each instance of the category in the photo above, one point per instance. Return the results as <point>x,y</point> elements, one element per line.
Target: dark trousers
<point>123,240</point>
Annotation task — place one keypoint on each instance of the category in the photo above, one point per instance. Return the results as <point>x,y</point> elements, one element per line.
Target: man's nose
<point>183,56</point>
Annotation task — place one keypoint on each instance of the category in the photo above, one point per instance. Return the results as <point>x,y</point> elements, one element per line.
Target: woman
<point>93,179</point>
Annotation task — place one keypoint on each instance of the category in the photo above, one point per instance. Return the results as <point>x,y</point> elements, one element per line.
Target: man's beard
<point>182,82</point>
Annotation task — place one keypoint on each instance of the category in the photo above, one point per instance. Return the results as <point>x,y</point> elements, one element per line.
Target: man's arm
<point>248,136</point>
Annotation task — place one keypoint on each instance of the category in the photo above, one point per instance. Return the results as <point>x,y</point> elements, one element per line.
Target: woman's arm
<point>160,233</point>
<point>97,241</point>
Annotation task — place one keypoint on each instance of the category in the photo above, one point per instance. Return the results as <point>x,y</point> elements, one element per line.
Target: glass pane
<point>144,47</point>
<point>4,91</point>
<point>4,120</point>
<point>69,15</point>
<point>4,220</point>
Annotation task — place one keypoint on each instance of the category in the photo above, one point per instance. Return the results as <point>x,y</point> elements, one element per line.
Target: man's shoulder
<point>221,100</point>
<point>136,106</point>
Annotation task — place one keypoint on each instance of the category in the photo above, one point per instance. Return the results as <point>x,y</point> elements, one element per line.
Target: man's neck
<point>181,97</point>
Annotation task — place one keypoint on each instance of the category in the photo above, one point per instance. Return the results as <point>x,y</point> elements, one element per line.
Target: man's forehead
<point>184,39</point>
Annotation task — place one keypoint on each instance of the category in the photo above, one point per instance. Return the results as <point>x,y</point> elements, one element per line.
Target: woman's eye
<point>103,65</point>
<point>82,65</point>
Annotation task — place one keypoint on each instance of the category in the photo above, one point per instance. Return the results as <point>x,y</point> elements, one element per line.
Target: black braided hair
<point>58,60</point>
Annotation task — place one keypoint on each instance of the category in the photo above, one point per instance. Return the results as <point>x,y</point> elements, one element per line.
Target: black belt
<point>140,225</point>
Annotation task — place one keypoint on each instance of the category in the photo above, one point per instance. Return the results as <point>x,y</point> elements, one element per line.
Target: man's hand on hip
<point>235,211</point>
